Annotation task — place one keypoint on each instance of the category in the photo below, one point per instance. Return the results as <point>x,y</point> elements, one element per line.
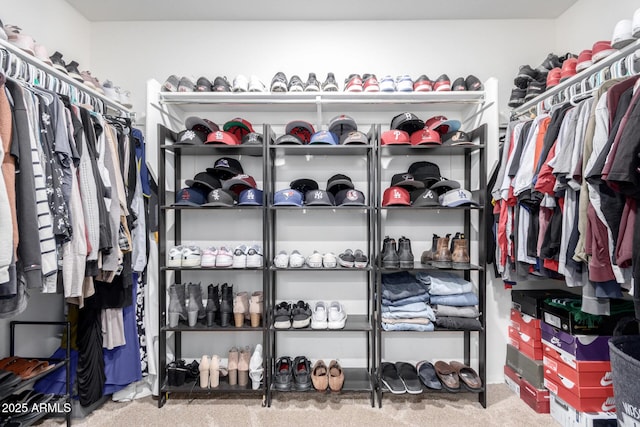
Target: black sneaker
<point>517,97</point>
<point>301,373</point>
<point>525,75</point>
<point>58,63</point>
<point>473,83</point>
<point>279,82</point>
<point>282,316</point>
<point>458,84</point>
<point>535,88</point>
<point>283,374</point>
<point>405,255</point>
<point>186,85</point>
<point>312,85</point>
<point>550,62</point>
<point>423,84</point>
<point>295,84</point>
<point>72,70</point>
<point>300,315</point>
<point>221,84</point>
<point>330,84</point>
<point>442,83</point>
<point>203,85</point>
<point>390,254</point>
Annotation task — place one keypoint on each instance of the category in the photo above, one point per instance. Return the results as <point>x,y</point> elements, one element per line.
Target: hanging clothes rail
<point>617,64</point>
<point>23,66</point>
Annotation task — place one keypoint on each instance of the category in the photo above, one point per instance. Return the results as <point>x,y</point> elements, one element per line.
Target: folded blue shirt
<point>459,300</point>
<point>444,282</point>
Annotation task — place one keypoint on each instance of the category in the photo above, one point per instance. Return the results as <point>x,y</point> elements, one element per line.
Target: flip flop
<point>391,379</point>
<point>469,378</point>
<point>427,374</point>
<point>8,361</point>
<point>409,377</point>
<point>448,376</point>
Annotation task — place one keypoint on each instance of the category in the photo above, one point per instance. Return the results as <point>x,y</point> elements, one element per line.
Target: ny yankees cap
<point>342,124</point>
<point>252,138</point>
<point>396,196</point>
<point>204,180</point>
<point>338,182</point>
<point>190,196</point>
<point>221,137</point>
<point>324,137</point>
<point>221,197</point>
<point>395,136</point>
<point>354,137</point>
<point>458,197</point>
<point>407,122</point>
<point>318,198</point>
<point>301,129</point>
<point>200,124</point>
<point>225,168</point>
<point>442,125</point>
<point>250,197</point>
<point>287,197</point>
<point>350,197</point>
<point>191,137</point>
<point>239,183</point>
<point>424,197</point>
<point>406,180</point>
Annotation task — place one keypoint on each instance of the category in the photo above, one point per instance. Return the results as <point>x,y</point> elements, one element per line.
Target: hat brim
<point>286,204</point>
<point>289,140</point>
<point>319,203</point>
<point>249,204</point>
<point>235,123</point>
<point>413,183</point>
<point>186,203</point>
<point>445,183</point>
<point>352,203</point>
<point>342,182</point>
<point>219,204</point>
<point>192,182</point>
<point>457,203</point>
<point>194,121</point>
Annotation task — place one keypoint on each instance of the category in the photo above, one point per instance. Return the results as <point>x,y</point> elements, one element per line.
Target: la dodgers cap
<point>222,137</point>
<point>190,196</point>
<point>407,122</point>
<point>425,136</point>
<point>221,197</point>
<point>324,137</point>
<point>200,124</point>
<point>396,196</point>
<point>342,124</point>
<point>457,197</point>
<point>338,182</point>
<point>301,129</point>
<point>395,136</point>
<point>424,197</point>
<point>250,197</point>
<point>239,182</point>
<point>204,180</point>
<point>191,137</point>
<point>225,168</point>
<point>318,198</point>
<point>350,197</point>
<point>442,125</point>
<point>354,137</point>
<point>406,180</point>
<point>287,197</point>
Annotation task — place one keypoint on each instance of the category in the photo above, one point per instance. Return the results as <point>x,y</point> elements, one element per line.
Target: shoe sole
<point>441,264</point>
<point>293,263</point>
<point>281,264</point>
<point>174,263</point>
<point>191,262</point>
<point>254,262</point>
<point>330,264</point>
<point>346,264</point>
<point>406,264</point>
<point>239,262</point>
<point>278,87</point>
<point>387,264</point>
<point>392,390</point>
<point>281,324</point>
<point>353,89</point>
<point>314,264</point>
<point>336,325</point>
<point>330,88</point>
<point>361,264</point>
<point>372,89</point>
<point>302,387</point>
<point>208,261</point>
<point>283,387</point>
<point>319,325</point>
<point>300,324</point>
<point>226,261</point>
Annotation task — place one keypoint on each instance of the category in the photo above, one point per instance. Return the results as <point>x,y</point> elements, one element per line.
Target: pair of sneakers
<point>350,259</point>
<point>184,256</point>
<point>217,257</point>
<point>284,260</point>
<point>287,315</point>
<point>331,316</point>
<point>243,84</point>
<point>317,260</point>
<point>279,83</point>
<point>294,374</point>
<point>366,83</point>
<point>247,256</point>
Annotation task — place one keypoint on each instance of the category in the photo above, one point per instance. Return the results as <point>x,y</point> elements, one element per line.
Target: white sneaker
<point>240,84</point>
<point>281,260</point>
<point>255,85</point>
<point>296,260</point>
<point>174,257</point>
<point>224,258</point>
<point>254,257</point>
<point>315,260</point>
<point>240,257</point>
<point>209,257</point>
<point>319,316</point>
<point>337,317</point>
<point>387,84</point>
<point>329,260</point>
<point>110,91</point>
<point>255,367</point>
<point>191,256</point>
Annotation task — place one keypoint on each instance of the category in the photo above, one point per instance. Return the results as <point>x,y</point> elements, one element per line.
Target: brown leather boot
<point>460,254</point>
<point>232,366</point>
<point>427,256</point>
<point>243,366</point>
<point>442,257</point>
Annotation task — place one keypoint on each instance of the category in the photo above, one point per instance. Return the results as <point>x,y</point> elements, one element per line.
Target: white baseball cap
<point>635,28</point>
<point>622,34</point>
<point>457,197</point>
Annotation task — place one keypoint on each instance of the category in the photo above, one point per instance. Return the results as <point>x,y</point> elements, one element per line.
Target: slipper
<point>9,380</point>
<point>8,361</point>
<point>448,376</point>
<point>391,379</point>
<point>469,378</point>
<point>427,374</point>
<point>409,377</point>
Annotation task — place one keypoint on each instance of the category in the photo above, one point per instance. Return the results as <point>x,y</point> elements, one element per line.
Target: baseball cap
<point>395,136</point>
<point>252,138</point>
<point>442,125</point>
<point>205,181</point>
<point>220,197</point>
<point>424,197</point>
<point>304,184</point>
<point>425,136</point>
<point>458,137</point>
<point>287,197</point>
<point>239,182</point>
<point>301,129</point>
<point>318,198</point>
<point>354,137</point>
<point>200,124</point>
<point>396,196</point>
<point>342,124</point>
<point>250,197</point>
<point>350,197</point>
<point>289,140</point>
<point>191,137</point>
<point>406,180</point>
<point>190,196</point>
<point>225,168</point>
<point>424,171</point>
<point>220,137</point>
<point>338,182</point>
<point>622,34</point>
<point>324,137</point>
<point>635,29</point>
<point>444,185</point>
<point>457,197</point>
<point>407,122</point>
<point>238,127</point>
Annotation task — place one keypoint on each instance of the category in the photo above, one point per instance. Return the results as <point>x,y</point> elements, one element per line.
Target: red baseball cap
<point>220,137</point>
<point>396,196</point>
<point>395,136</point>
<point>238,127</point>
<point>426,136</point>
<point>442,125</point>
<point>239,183</point>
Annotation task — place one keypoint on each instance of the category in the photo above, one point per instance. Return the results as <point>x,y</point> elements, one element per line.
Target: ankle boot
<point>255,308</point>
<point>243,366</point>
<point>193,307</point>
<point>442,257</point>
<point>204,372</point>
<point>405,255</point>
<point>460,254</point>
<point>177,306</point>
<point>226,305</point>
<point>240,308</point>
<point>427,256</point>
<point>232,366</point>
<point>213,305</point>
<point>390,254</point>
<point>215,371</point>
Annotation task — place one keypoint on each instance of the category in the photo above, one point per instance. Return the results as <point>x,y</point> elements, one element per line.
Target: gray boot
<point>177,306</point>
<point>196,307</point>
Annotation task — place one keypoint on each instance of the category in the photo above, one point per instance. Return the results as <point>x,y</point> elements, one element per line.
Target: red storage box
<point>537,399</point>
<point>527,345</point>
<point>583,399</point>
<point>558,366</point>
<point>526,324</point>
<point>512,380</point>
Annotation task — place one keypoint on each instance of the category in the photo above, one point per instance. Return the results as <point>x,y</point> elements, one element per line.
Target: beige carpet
<point>504,409</point>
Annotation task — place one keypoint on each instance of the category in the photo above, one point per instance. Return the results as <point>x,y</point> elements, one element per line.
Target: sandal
<point>448,376</point>
<point>469,378</point>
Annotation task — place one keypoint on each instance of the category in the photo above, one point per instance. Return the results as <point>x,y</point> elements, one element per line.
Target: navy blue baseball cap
<point>324,137</point>
<point>287,197</point>
<point>250,197</point>
<point>350,197</point>
<point>190,196</point>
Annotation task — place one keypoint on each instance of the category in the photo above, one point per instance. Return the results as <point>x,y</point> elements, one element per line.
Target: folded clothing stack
<point>452,299</point>
<point>405,304</point>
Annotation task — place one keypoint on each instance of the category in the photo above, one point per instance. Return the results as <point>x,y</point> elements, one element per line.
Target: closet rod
<point>584,75</point>
<point>32,60</point>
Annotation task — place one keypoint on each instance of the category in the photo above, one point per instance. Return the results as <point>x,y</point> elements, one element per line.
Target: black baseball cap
<point>303,185</point>
<point>339,182</point>
<point>444,185</point>
<point>318,198</point>
<point>458,137</point>
<point>221,197</point>
<point>204,180</point>
<point>424,197</point>
<point>350,197</point>
<point>407,122</point>
<point>406,180</point>
<point>191,137</point>
<point>354,137</point>
<point>225,168</point>
<point>427,172</point>
<point>200,124</point>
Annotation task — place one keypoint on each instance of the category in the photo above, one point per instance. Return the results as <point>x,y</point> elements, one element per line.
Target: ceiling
<point>207,10</point>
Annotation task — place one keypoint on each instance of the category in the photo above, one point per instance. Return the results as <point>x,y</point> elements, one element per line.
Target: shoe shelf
<point>210,208</point>
<point>436,330</point>
<point>355,323</point>
<point>303,209</point>
<point>418,266</point>
<point>430,208</point>
<point>212,149</point>
<point>320,149</point>
<point>307,268</point>
<point>164,268</point>
<point>428,150</point>
<point>224,387</point>
<point>355,380</point>
<point>199,327</point>
<point>58,363</point>
<point>425,390</point>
